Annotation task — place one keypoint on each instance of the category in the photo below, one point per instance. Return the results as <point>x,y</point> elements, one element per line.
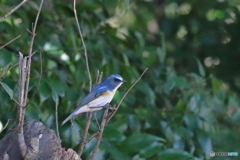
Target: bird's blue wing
<point>95,93</point>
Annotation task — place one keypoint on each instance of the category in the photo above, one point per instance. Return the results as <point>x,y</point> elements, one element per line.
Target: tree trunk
<point>40,139</point>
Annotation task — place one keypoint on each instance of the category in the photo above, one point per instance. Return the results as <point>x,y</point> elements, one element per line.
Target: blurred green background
<point>186,105</point>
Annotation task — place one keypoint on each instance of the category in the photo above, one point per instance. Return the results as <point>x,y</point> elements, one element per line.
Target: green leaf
<point>44,91</point>
<point>110,132</point>
<point>5,58</point>
<point>191,120</point>
<point>120,124</point>
<point>114,151</point>
<point>145,88</point>
<point>110,5</point>
<point>216,84</point>
<point>57,86</point>
<point>200,67</point>
<point>134,123</point>
<point>151,150</point>
<point>174,154</point>
<point>138,141</point>
<point>7,89</point>
<point>180,106</point>
<point>55,97</point>
<point>181,82</point>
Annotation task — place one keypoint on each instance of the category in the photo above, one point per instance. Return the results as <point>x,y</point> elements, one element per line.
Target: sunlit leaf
<point>200,68</point>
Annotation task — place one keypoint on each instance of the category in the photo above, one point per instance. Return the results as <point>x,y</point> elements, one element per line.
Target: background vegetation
<point>186,105</point>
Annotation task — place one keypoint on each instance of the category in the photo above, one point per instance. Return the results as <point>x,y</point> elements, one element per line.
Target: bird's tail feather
<point>68,118</point>
<point>76,112</point>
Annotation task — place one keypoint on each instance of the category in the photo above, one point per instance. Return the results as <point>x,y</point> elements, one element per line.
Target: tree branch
<point>10,41</point>
<point>113,113</point>
<point>92,137</point>
<point>84,46</point>
<point>21,107</point>
<point>83,139</point>
<point>89,118</point>
<point>23,85</point>
<point>13,10</point>
<point>104,120</point>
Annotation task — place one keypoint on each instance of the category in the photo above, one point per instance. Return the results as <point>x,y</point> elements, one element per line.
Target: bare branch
<point>84,46</point>
<point>89,118</point>
<point>56,114</point>
<point>103,123</point>
<point>21,107</point>
<point>113,113</point>
<point>23,85</point>
<point>40,77</point>
<point>13,10</point>
<point>92,137</point>
<point>82,141</point>
<point>10,41</point>
<point>34,28</point>
<point>74,131</point>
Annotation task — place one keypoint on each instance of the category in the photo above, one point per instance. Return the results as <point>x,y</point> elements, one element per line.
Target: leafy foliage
<point>185,106</point>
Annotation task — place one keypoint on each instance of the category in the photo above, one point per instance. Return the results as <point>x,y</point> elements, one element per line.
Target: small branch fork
<point>105,119</point>
<point>106,116</point>
<point>89,118</point>
<point>23,85</point>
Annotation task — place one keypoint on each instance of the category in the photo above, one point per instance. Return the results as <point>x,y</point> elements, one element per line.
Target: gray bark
<point>41,141</point>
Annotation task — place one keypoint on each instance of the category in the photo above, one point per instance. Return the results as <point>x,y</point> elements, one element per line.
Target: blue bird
<point>101,95</point>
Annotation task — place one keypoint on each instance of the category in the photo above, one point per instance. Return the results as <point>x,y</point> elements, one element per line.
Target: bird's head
<point>114,81</point>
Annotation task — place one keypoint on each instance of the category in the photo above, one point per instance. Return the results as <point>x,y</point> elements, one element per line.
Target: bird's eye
<point>117,80</point>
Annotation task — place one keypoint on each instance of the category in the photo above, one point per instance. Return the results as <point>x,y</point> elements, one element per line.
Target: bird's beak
<point>124,81</point>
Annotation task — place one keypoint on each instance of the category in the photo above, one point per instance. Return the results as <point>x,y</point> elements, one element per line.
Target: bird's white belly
<point>101,100</point>
<point>97,103</point>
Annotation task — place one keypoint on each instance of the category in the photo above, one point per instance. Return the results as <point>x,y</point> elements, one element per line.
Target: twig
<point>106,117</point>
<point>34,28</point>
<point>8,70</point>
<point>89,118</point>
<point>21,107</point>
<point>97,79</point>
<point>89,115</point>
<point>92,137</point>
<point>40,77</point>
<point>10,41</point>
<point>84,46</point>
<point>56,114</point>
<point>104,120</point>
<point>113,113</point>
<point>23,85</point>
<point>13,10</point>
<point>6,125</point>
<point>82,141</point>
<point>73,130</point>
